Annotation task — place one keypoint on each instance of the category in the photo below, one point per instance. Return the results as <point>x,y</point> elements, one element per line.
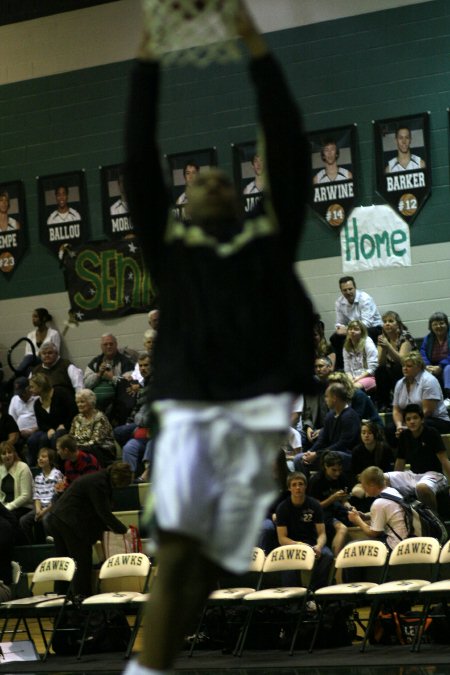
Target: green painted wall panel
<point>351,70</point>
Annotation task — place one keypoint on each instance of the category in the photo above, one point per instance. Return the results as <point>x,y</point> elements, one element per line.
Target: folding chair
<point>371,556</point>
<point>434,593</point>
<point>127,574</point>
<point>291,557</point>
<point>232,596</point>
<point>45,605</point>
<point>409,554</point>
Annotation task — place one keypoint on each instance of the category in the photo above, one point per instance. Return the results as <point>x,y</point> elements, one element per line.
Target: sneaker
<point>49,540</point>
<point>311,607</point>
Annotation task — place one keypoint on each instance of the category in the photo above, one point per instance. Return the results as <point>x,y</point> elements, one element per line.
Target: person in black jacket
<point>81,515</point>
<point>223,376</point>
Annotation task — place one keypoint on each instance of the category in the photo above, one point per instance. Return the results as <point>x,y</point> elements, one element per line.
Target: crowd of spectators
<point>62,424</point>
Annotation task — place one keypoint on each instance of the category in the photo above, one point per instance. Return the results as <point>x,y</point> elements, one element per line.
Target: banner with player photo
<point>13,226</point>
<point>63,211</point>
<point>374,237</point>
<point>184,167</point>
<point>402,151</point>
<point>116,220</point>
<point>248,171</point>
<point>333,157</point>
<point>107,280</point>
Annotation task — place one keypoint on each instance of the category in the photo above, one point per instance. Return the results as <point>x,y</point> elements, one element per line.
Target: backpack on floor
<point>420,520</point>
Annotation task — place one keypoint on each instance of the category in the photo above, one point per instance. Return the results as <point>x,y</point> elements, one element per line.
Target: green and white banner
<point>374,237</point>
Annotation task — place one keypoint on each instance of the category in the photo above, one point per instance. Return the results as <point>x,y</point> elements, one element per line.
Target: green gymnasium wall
<point>372,66</point>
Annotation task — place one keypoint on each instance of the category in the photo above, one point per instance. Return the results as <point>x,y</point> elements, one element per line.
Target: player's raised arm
<point>144,183</point>
<point>286,147</point>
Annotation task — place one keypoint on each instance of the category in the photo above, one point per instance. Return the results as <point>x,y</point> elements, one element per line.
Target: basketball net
<point>192,32</point>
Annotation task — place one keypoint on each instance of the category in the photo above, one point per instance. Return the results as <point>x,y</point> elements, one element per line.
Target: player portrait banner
<point>333,158</point>
<point>107,279</point>
<point>184,167</point>
<point>116,219</point>
<point>374,237</point>
<point>248,171</point>
<point>63,218</point>
<point>402,151</point>
<point>13,226</point>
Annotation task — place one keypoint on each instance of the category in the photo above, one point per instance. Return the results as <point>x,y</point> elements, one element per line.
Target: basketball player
<point>405,160</point>
<point>257,184</point>
<point>224,379</point>
<point>64,213</point>
<point>6,221</point>
<point>190,171</point>
<point>331,172</point>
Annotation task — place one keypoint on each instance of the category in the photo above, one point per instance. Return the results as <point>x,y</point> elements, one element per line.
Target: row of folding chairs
<point>416,571</point>
<point>126,574</point>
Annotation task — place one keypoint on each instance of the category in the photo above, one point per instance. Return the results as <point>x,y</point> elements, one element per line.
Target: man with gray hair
<point>61,372</point>
<point>105,370</point>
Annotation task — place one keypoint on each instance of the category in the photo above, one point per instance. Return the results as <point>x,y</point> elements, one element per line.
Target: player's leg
<point>185,579</point>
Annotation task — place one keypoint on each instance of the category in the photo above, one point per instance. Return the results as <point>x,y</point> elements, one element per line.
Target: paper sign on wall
<point>374,237</point>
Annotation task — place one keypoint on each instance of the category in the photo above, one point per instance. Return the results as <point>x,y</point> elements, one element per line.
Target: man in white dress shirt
<point>353,304</point>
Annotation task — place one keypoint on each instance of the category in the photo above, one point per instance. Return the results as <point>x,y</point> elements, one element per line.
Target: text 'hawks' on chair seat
<point>45,605</point>
<point>129,575</point>
<point>437,593</point>
<point>232,596</point>
<point>291,557</point>
<point>406,557</point>
<point>360,558</point>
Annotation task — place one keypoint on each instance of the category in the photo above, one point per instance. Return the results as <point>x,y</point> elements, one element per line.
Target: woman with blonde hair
<point>419,386</point>
<point>361,403</point>
<point>360,356</point>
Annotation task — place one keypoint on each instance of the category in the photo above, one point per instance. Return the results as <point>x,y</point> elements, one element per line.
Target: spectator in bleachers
<point>435,350</point>
<point>21,408</point>
<point>104,372</point>
<point>360,356</point>
<point>361,403</point>
<point>322,346</point>
<point>76,462</point>
<point>124,432</point>
<point>41,334</point>
<point>419,386</point>
<point>315,407</point>
<point>92,429</point>
<point>81,515</point>
<point>153,319</point>
<point>16,481</point>
<point>61,372</point>
<point>394,343</point>
<point>54,409</point>
<point>386,519</point>
<point>353,304</point>
<point>33,524</point>
<point>331,487</point>
<point>371,451</point>
<point>340,431</point>
<point>423,449</point>
<point>300,519</point>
